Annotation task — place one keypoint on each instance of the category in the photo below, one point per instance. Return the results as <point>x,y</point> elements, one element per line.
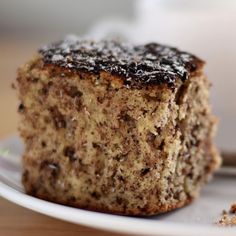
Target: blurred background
<point>204,27</point>
<point>26,25</point>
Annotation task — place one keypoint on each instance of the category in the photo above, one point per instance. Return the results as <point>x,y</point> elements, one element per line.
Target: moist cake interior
<point>130,134</point>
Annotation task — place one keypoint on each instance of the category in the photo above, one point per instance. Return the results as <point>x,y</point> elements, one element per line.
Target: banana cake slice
<point>115,127</point>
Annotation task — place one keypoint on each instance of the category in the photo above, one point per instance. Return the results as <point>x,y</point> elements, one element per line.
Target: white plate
<point>197,219</point>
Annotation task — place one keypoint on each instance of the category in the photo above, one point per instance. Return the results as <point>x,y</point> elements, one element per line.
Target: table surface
<point>15,220</point>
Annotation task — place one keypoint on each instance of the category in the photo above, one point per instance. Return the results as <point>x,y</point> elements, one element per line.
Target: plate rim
<point>104,221</point>
<point>109,222</point>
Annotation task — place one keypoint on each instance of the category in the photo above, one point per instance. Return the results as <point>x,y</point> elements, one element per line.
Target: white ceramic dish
<point>197,219</point>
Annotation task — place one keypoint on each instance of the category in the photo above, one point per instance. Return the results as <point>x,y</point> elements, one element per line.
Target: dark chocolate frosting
<point>137,65</point>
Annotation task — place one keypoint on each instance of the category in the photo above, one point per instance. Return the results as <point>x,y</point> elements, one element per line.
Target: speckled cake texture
<point>115,127</point>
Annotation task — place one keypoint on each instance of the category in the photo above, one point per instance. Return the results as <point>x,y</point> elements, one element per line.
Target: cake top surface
<point>137,65</point>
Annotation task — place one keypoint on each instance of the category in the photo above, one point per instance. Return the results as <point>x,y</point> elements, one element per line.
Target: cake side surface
<point>92,142</point>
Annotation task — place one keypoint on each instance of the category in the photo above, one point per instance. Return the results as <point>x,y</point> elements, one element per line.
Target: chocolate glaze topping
<point>136,64</point>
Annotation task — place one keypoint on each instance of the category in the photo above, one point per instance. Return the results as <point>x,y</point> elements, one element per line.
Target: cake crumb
<point>233,208</point>
<point>224,212</point>
<point>227,220</point>
<point>228,217</point>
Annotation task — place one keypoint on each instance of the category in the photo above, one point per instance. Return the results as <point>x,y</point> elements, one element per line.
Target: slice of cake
<point>114,127</point>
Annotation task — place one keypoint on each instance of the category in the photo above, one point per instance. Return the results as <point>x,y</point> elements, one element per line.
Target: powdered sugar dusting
<point>136,64</point>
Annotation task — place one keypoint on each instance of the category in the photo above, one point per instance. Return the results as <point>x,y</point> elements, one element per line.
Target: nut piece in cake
<point>233,208</point>
<point>114,127</point>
